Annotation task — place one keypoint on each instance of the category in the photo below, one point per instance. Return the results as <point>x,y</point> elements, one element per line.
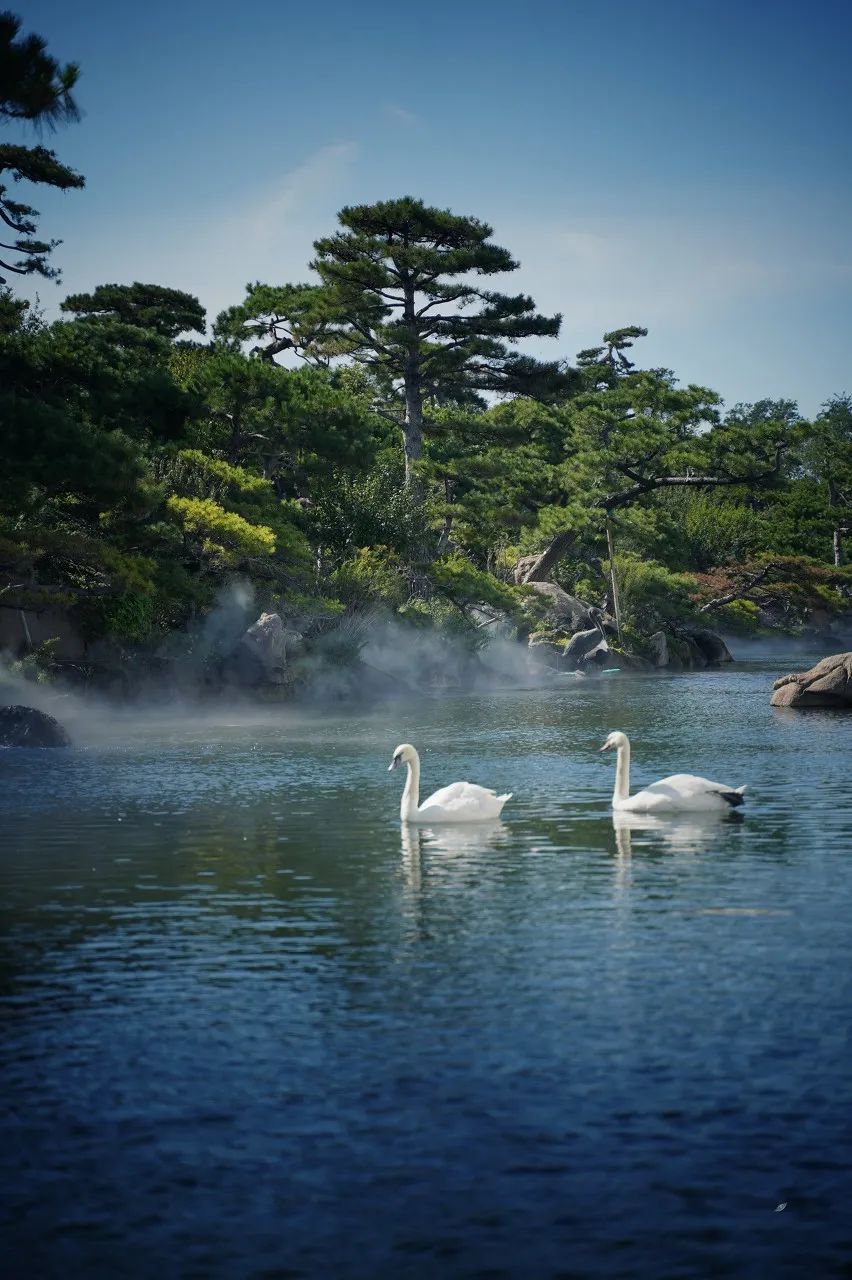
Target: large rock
<point>828,684</point>
<point>711,645</point>
<point>594,659</point>
<point>659,649</point>
<point>26,727</point>
<point>688,649</point>
<point>563,612</point>
<point>260,655</point>
<point>584,643</point>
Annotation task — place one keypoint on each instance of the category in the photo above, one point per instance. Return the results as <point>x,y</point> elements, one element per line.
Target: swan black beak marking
<point>393,763</point>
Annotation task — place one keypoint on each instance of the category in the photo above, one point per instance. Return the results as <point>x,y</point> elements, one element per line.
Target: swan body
<point>682,791</point>
<point>459,802</point>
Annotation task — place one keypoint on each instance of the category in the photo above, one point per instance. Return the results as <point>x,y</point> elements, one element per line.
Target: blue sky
<point>679,164</point>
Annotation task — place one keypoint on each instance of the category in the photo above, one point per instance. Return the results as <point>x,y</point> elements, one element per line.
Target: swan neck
<point>411,794</point>
<point>622,774</point>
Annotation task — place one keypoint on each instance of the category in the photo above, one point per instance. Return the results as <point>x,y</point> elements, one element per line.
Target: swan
<point>680,791</point>
<point>459,802</point>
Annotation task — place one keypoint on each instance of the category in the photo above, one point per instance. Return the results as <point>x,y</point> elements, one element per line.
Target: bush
<point>650,595</point>
<point>373,577</point>
<point>223,533</point>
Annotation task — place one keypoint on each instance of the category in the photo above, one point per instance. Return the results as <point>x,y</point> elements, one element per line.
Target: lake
<point>253,1029</point>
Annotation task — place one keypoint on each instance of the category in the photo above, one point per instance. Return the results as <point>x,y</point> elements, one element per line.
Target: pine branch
<point>749,582</point>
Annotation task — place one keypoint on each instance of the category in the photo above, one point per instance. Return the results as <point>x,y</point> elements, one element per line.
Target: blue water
<point>252,1029</point>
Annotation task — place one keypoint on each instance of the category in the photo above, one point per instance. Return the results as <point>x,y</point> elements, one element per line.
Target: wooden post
<point>612,578</point>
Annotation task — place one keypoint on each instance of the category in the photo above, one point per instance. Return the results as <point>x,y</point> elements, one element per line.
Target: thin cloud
<point>402,115</point>
<point>299,191</point>
<point>658,271</point>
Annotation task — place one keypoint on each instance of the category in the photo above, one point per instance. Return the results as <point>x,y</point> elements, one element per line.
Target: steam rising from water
<point>366,658</point>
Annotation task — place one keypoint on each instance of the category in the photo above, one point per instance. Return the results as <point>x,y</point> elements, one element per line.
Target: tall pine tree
<point>401,285</point>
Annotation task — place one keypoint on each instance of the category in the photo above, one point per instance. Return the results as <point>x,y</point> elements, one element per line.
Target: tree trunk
<point>611,549</point>
<point>542,565</point>
<point>412,431</point>
<point>837,539</point>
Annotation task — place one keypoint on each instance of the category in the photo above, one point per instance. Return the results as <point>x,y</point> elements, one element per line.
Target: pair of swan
<point>467,802</point>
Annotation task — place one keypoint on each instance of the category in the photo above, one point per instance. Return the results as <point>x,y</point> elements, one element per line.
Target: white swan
<point>680,791</point>
<point>459,802</point>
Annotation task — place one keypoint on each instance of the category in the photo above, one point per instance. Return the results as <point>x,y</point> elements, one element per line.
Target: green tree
<point>290,318</point>
<point>168,312</point>
<point>399,283</point>
<point>291,426</point>
<point>33,88</point>
<point>565,471</point>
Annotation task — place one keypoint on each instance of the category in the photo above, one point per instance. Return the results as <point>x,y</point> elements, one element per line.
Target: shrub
<point>650,595</point>
<point>223,533</point>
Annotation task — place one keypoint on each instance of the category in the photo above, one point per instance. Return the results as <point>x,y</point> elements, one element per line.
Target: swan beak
<point>606,747</point>
<point>393,763</point>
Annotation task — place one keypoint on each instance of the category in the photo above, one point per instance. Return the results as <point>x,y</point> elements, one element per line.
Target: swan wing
<point>686,791</point>
<point>462,802</point>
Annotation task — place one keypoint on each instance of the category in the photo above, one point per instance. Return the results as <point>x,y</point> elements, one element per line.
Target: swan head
<point>615,741</point>
<point>404,754</point>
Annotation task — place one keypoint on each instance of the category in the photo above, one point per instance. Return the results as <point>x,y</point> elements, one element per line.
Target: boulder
<point>260,655</point>
<point>659,649</point>
<point>594,659</point>
<point>582,644</point>
<point>26,727</point>
<point>828,684</point>
<point>711,645</point>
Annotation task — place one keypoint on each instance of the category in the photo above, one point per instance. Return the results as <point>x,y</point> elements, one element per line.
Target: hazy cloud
<point>402,115</point>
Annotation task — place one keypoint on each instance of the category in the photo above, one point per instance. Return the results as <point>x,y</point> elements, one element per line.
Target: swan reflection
<point>453,840</point>
<point>464,842</point>
<point>677,834</point>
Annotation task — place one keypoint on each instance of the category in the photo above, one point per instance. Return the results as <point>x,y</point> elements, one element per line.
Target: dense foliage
<point>372,440</point>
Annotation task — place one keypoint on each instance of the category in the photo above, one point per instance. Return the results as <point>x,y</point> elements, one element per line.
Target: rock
<point>710,644</point>
<point>523,567</point>
<point>595,658</point>
<point>260,655</point>
<point>627,661</point>
<point>828,684</point>
<point>582,644</point>
<point>563,611</point>
<point>544,650</point>
<point>26,727</point>
<point>694,658</point>
<point>659,648</point>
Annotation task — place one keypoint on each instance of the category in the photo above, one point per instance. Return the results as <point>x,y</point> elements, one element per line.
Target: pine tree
<point>169,312</point>
<point>33,88</point>
<point>289,318</point>
<point>400,285</point>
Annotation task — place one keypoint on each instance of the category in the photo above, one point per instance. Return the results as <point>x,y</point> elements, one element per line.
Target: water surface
<point>253,1029</point>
